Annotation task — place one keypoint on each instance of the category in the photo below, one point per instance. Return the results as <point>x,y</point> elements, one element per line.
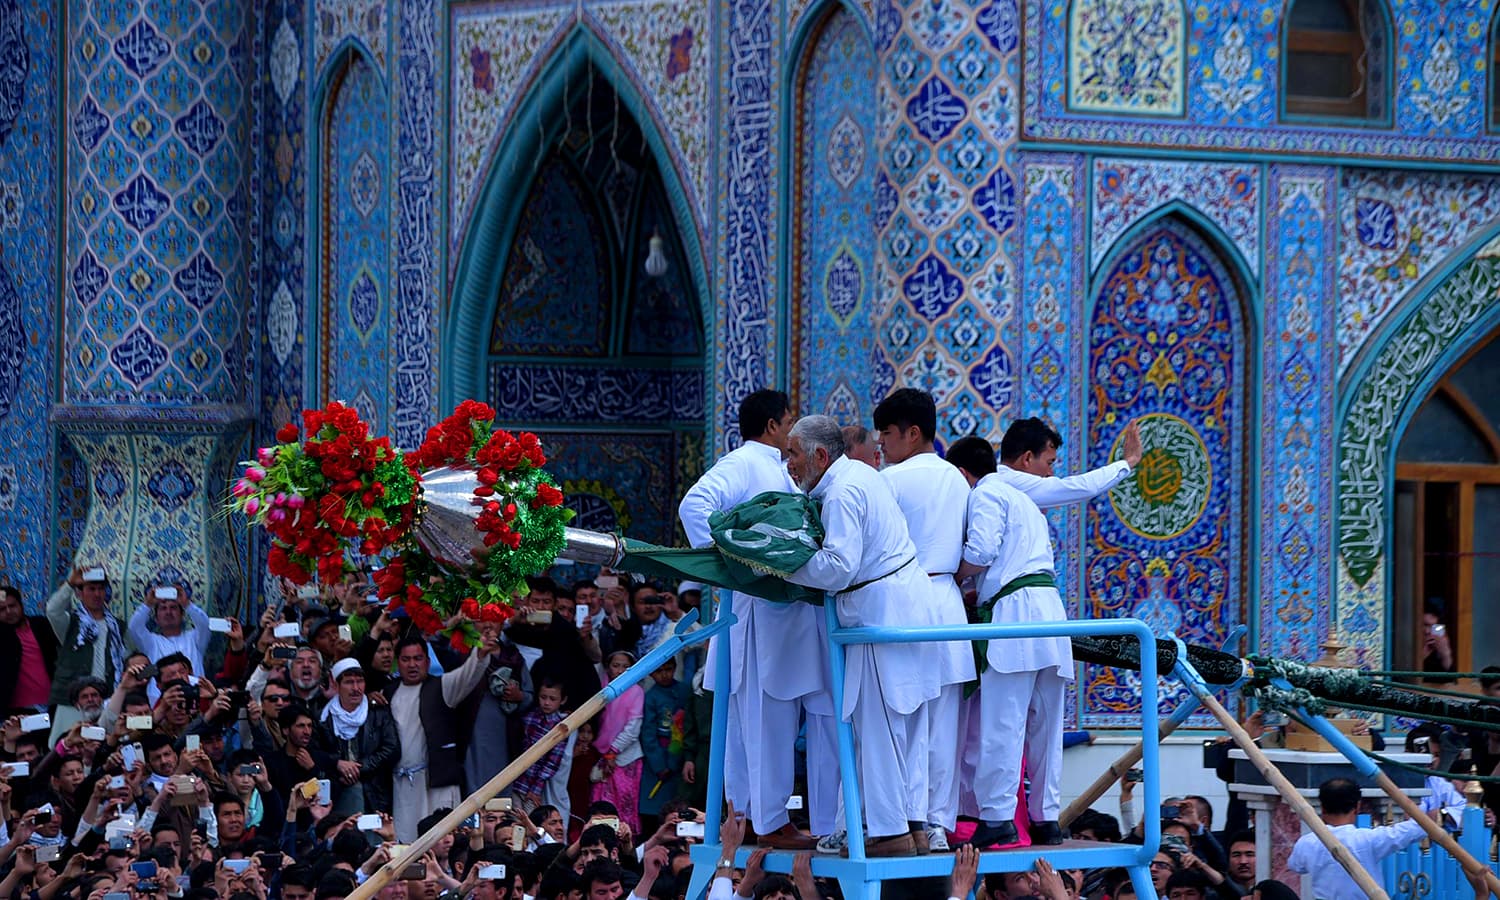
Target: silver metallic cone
<point>445,525</point>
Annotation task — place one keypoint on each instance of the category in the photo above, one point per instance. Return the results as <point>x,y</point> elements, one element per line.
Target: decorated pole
<point>1119,767</point>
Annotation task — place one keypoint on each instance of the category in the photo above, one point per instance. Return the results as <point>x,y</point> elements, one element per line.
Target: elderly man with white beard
<point>868,564</point>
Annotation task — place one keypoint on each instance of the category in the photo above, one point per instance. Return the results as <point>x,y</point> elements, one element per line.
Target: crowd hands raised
<point>177,755</point>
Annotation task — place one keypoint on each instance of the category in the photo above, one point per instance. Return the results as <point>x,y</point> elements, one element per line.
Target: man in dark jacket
<point>363,739</point>
<point>28,656</point>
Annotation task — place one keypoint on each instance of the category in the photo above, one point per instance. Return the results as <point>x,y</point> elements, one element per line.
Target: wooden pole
<point>1115,772</point>
<point>1438,833</point>
<point>476,800</point>
<point>1289,793</point>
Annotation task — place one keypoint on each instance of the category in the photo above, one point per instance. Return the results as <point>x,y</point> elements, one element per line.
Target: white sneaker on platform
<point>937,839</point>
<point>834,844</point>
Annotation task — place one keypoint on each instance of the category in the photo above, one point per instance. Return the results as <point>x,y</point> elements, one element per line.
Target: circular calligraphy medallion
<point>1169,489</point>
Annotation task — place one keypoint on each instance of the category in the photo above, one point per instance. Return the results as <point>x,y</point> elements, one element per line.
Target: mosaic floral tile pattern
<point>355,294</point>
<point>1297,400</point>
<point>1167,347</point>
<point>158,106</point>
<point>1395,228</point>
<point>831,328</point>
<point>340,20</point>
<point>1127,191</point>
<point>1126,63</point>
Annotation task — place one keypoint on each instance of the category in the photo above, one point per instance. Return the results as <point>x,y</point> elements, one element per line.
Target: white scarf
<point>347,724</point>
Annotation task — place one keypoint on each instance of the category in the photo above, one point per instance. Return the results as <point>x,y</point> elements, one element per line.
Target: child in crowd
<point>661,741</point>
<point>532,785</point>
<point>580,775</point>
<point>619,744</point>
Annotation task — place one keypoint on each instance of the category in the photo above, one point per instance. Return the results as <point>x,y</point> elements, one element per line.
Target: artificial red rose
<point>549,495</point>
<point>287,433</point>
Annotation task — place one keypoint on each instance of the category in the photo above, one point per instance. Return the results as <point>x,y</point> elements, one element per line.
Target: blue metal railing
<point>861,877</point>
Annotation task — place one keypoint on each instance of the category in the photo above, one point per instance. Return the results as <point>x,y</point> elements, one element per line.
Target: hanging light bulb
<point>656,258</point>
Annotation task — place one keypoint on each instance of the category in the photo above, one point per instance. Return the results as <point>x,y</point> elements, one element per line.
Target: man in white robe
<point>933,497</point>
<point>778,652</point>
<point>429,775</point>
<point>868,565</point>
<point>1024,680</point>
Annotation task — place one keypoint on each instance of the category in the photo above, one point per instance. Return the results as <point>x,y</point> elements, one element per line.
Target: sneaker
<point>834,844</point>
<point>937,839</point>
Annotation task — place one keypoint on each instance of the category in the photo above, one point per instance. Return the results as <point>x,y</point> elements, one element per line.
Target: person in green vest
<point>90,638</point>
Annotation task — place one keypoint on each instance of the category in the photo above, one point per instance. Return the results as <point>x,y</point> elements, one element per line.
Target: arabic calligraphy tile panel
<point>1126,191</point>
<point>1367,439</point>
<point>1296,491</point>
<point>555,293</point>
<point>355,301</point>
<point>595,395</point>
<point>1167,345</point>
<point>417,216</point>
<point>1395,228</point>
<point>179,127</point>
<point>835,235</point>
<point>1233,65</point>
<point>745,345</point>
<point>29,69</point>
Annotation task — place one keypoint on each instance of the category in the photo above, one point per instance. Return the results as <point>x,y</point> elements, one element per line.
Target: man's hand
<point>236,635</point>
<point>965,871</point>
<point>1255,724</point>
<point>1050,882</point>
<point>303,758</point>
<point>690,772</point>
<point>654,861</point>
<point>164,796</point>
<point>802,876</point>
<point>348,771</point>
<point>732,832</point>
<point>1131,451</point>
<point>755,873</point>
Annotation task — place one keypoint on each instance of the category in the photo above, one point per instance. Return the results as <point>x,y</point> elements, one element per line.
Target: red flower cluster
<point>489,612</point>
<point>546,495</point>
<point>505,452</point>
<point>494,521</point>
<point>454,439</point>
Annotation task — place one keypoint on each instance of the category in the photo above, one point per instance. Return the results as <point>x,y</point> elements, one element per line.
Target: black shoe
<point>1048,833</point>
<point>990,835</point>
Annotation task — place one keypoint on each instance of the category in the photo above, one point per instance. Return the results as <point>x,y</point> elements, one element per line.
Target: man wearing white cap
<point>90,639</point>
<point>363,739</point>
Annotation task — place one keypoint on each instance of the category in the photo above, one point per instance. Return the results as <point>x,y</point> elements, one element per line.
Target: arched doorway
<point>1167,340</point>
<point>1447,520</point>
<point>593,335</point>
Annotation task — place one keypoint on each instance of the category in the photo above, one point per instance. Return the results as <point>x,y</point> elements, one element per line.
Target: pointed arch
<point>347,295</point>
<point>1197,219</point>
<point>1447,314</point>
<point>492,227</point>
<point>1171,332</point>
<point>830,241</point>
<point>1337,61</point>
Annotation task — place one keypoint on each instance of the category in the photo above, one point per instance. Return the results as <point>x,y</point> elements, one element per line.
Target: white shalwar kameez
<point>778,662</point>
<point>413,799</point>
<point>934,498</point>
<point>869,563</point>
<point>1021,690</point>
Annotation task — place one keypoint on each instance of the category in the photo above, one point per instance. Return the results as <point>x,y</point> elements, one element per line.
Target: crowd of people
<point>172,753</point>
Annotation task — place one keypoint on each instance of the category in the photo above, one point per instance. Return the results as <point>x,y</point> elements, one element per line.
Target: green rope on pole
<point>1411,767</point>
<point>1419,688</point>
<point>1287,701</point>
<point>1445,676</point>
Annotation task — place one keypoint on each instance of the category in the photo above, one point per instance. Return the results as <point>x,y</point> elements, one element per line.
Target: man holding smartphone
<point>90,639</point>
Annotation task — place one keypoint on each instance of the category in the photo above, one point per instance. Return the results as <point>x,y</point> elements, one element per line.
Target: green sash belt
<point>986,614</point>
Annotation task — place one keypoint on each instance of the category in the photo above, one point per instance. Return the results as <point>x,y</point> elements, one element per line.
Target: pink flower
<point>279,499</point>
<point>252,506</point>
<point>255,473</point>
<point>243,488</point>
<point>265,456</point>
<point>276,515</point>
<point>295,501</point>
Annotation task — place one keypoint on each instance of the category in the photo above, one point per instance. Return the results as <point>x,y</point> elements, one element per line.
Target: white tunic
<point>1008,535</point>
<point>866,540</point>
<point>934,498</point>
<point>191,642</point>
<point>1368,845</point>
<point>789,640</point>
<point>1047,492</point>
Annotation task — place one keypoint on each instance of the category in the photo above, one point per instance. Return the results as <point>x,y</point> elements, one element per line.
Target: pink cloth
<point>623,789</point>
<point>623,786</point>
<point>33,685</point>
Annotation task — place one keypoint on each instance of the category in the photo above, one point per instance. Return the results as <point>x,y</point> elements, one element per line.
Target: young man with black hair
<point>778,652</point>
<point>1023,681</point>
<point>933,497</point>
<point>1338,799</point>
<point>1028,452</point>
